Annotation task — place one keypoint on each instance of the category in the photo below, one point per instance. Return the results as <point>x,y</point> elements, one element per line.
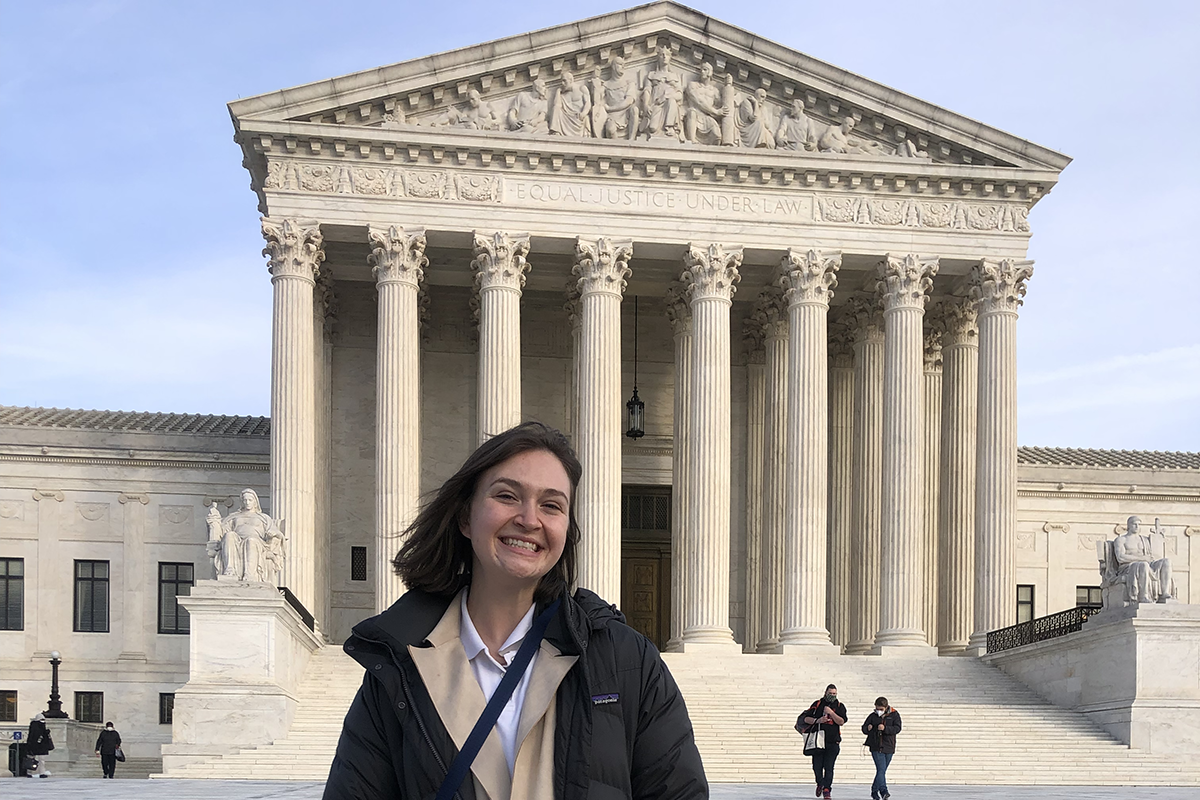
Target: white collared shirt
<point>489,673</point>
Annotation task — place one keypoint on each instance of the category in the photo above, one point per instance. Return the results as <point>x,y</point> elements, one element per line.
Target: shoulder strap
<point>487,720</point>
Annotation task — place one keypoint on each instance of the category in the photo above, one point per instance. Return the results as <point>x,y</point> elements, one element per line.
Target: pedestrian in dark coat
<point>40,744</point>
<point>599,717</point>
<point>106,747</point>
<point>881,728</point>
<point>829,715</point>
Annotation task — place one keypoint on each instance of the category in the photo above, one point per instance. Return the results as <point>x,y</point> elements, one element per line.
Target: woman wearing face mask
<point>881,728</point>
<point>830,715</point>
<point>107,745</point>
<point>591,710</point>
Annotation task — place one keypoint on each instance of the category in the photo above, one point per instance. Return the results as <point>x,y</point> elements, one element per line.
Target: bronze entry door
<point>646,561</point>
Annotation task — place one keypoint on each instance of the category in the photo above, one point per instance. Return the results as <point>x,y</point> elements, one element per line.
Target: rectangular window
<point>89,707</point>
<point>1024,602</point>
<point>166,708</point>
<point>358,563</point>
<point>8,706</point>
<point>12,594</point>
<point>1088,596</point>
<point>91,596</point>
<point>174,580</point>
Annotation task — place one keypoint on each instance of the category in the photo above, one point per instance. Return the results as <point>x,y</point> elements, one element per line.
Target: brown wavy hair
<point>436,557</point>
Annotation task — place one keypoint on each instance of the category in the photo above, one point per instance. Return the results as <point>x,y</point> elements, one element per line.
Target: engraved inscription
<point>665,200</point>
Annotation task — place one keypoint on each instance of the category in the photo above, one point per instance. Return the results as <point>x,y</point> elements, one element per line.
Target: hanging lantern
<point>635,406</point>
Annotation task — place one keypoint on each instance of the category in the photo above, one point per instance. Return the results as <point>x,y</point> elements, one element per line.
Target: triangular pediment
<point>760,95</point>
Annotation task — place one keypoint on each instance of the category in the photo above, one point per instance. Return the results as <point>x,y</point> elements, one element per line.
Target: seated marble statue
<point>247,545</point>
<point>754,121</point>
<point>477,114</point>
<point>570,113</point>
<point>615,113</point>
<point>662,94</point>
<point>705,109</point>
<point>796,131</point>
<point>837,139</point>
<point>1139,564</point>
<point>528,111</point>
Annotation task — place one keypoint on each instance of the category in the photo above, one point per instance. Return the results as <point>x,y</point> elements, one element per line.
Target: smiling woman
<point>489,666</point>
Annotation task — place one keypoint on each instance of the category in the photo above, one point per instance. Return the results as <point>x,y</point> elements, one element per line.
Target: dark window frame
<point>358,563</point>
<point>88,589</point>
<point>82,709</point>
<point>1029,604</point>
<point>8,705</point>
<point>177,621</point>
<point>166,708</point>
<point>1093,596</point>
<point>12,594</point>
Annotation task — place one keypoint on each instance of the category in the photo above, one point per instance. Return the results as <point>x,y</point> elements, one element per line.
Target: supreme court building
<point>827,275</point>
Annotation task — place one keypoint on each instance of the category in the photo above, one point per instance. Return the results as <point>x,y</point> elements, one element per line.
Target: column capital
<point>841,344</point>
<point>998,285</point>
<point>809,276</point>
<point>602,265</point>
<point>711,271</point>
<point>932,349</point>
<point>500,260</point>
<point>573,306</point>
<point>397,254</point>
<point>754,336</point>
<point>327,300</point>
<point>294,248</point>
<point>955,319</point>
<point>772,304</point>
<point>679,312</point>
<point>864,317</point>
<point>905,280</point>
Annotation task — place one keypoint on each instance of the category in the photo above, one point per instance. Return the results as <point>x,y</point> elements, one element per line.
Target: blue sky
<point>130,275</point>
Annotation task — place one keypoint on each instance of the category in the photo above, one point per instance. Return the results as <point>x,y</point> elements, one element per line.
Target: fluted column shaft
<point>712,272</point>
<point>601,266</point>
<point>295,253</point>
<point>932,451</point>
<point>775,451</point>
<point>398,261</point>
<point>679,313</point>
<point>808,280</point>
<point>997,287</point>
<point>841,482</point>
<point>904,283</point>
<point>500,268</point>
<point>868,472</point>
<point>956,517</point>
<point>755,409</point>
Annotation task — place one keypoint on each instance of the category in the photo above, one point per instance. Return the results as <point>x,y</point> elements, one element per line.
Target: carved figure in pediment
<point>662,95</point>
<point>754,121</point>
<point>706,109</point>
<point>394,118</point>
<point>529,110</point>
<point>570,113</point>
<point>477,114</point>
<point>909,149</point>
<point>615,113</point>
<point>1137,563</point>
<point>247,545</point>
<point>796,131</point>
<point>837,139</point>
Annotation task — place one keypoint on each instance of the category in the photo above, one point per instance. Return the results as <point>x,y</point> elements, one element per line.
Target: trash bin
<point>16,757</point>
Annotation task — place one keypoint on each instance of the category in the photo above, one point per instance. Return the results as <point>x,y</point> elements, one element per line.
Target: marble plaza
<point>827,276</point>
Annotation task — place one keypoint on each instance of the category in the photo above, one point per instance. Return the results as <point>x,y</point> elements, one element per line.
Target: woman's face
<point>518,520</point>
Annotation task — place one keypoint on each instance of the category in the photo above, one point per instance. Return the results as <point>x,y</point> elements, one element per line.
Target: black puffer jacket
<point>882,741</point>
<point>394,745</point>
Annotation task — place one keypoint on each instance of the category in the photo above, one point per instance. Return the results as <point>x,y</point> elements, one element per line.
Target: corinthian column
<point>752,336</point>
<point>294,251</point>
<point>575,317</point>
<point>863,314</point>
<point>398,263</point>
<point>500,268</point>
<point>680,315</point>
<point>808,279</point>
<point>932,451</point>
<point>841,480</point>
<point>601,265</point>
<point>775,317</point>
<point>997,288</point>
<point>904,284</point>
<point>956,515</point>
<point>712,272</point>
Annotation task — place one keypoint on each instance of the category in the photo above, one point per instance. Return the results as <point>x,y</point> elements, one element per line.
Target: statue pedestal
<point>249,650</point>
<point>1134,671</point>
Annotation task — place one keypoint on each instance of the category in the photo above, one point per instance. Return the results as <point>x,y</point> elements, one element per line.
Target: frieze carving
<point>425,184</point>
<point>1026,541</point>
<point>998,285</point>
<point>809,276</point>
<point>92,512</point>
<point>602,265</point>
<point>12,509</point>
<point>905,212</point>
<point>1086,542</point>
<point>711,271</point>
<point>175,515</point>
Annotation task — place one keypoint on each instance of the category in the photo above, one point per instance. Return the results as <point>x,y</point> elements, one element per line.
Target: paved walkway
<point>97,789</point>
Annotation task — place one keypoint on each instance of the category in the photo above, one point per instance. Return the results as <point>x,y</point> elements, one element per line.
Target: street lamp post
<point>55,706</point>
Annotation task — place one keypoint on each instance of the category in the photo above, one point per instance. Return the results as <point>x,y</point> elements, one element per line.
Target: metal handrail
<point>295,603</point>
<point>1040,629</point>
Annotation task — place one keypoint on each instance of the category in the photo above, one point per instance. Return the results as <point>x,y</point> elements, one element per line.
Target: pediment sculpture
<point>659,102</point>
<point>1134,567</point>
<point>247,545</point>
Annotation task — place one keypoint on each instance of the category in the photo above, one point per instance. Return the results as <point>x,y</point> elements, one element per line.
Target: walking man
<point>107,745</point>
<point>881,728</point>
<point>830,715</point>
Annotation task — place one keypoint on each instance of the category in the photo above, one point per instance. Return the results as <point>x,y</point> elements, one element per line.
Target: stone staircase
<point>964,723</point>
<point>88,766</point>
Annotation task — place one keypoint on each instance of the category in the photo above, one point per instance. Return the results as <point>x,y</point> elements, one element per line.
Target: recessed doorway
<point>646,561</point>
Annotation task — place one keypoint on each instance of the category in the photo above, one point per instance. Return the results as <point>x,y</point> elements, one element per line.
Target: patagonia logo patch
<point>604,699</point>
